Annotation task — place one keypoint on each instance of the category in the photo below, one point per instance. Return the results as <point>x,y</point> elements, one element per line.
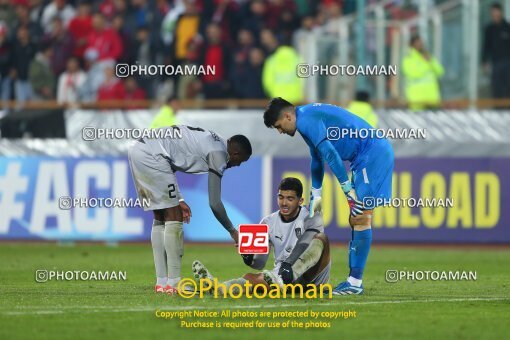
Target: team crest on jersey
<point>215,136</point>
<point>298,232</point>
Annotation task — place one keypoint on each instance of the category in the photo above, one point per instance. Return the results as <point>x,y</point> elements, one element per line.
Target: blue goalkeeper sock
<point>359,248</point>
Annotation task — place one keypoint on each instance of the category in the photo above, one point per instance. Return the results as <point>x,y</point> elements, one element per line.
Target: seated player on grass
<point>301,249</point>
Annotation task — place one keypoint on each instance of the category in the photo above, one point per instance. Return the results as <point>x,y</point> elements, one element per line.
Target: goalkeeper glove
<point>356,206</point>
<point>286,272</point>
<point>315,201</point>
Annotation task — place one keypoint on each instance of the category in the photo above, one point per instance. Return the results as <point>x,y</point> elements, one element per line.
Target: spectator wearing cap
<point>70,82</point>
<point>41,76</point>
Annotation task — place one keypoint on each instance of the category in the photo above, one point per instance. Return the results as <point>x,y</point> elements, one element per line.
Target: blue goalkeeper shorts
<point>372,174</point>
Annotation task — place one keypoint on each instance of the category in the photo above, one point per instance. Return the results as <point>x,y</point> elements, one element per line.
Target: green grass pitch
<point>119,310</point>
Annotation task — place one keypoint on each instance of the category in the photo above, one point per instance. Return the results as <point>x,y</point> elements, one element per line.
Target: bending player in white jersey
<point>153,165</point>
<point>301,249</point>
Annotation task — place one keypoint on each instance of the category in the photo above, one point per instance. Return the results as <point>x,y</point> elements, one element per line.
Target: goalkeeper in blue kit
<point>333,136</point>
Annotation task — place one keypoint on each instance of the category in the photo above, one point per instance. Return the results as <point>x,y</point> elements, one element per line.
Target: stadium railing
<point>463,103</point>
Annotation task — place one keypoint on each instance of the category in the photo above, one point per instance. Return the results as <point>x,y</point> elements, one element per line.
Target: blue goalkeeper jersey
<point>321,126</point>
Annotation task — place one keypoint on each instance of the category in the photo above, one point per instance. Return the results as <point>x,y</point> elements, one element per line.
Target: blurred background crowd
<point>67,50</point>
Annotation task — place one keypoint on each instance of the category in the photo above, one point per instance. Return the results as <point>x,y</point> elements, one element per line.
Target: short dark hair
<point>243,143</point>
<point>273,110</point>
<point>362,96</point>
<point>413,39</point>
<point>292,183</point>
<point>496,5</point>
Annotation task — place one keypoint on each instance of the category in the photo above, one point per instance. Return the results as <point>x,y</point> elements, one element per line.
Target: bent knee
<point>322,237</point>
<point>361,222</point>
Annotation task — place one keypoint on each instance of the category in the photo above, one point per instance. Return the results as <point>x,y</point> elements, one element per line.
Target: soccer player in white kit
<point>301,249</point>
<point>153,163</point>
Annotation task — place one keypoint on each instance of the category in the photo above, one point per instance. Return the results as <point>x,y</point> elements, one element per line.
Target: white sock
<point>173,282</point>
<point>161,281</point>
<point>174,247</point>
<point>158,250</point>
<point>354,281</point>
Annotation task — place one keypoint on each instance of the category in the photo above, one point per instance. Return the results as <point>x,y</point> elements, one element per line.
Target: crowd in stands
<point>67,50</point>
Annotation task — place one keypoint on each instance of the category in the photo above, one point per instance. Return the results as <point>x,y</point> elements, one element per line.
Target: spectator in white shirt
<point>56,8</point>
<point>69,83</point>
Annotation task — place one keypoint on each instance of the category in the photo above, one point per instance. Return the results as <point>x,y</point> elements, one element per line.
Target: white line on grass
<point>29,310</point>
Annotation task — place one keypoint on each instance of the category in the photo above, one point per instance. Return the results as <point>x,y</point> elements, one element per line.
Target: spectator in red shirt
<point>80,27</point>
<point>112,87</point>
<point>133,93</point>
<point>216,55</point>
<point>107,8</point>
<point>104,40</point>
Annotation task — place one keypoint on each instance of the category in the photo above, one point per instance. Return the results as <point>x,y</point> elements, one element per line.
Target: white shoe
<point>272,278</point>
<point>200,271</point>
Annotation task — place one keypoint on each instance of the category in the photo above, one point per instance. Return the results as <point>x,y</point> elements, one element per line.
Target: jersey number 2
<point>171,191</point>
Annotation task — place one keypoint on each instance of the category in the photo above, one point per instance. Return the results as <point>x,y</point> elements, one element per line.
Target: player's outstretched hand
<point>315,202</point>
<point>355,205</point>
<point>235,236</point>
<point>186,211</point>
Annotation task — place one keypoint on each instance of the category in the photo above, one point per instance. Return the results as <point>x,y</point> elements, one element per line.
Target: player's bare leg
<point>359,248</point>
<point>173,244</point>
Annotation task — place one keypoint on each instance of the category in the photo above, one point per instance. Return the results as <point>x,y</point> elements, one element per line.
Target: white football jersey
<point>283,236</point>
<point>191,150</point>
